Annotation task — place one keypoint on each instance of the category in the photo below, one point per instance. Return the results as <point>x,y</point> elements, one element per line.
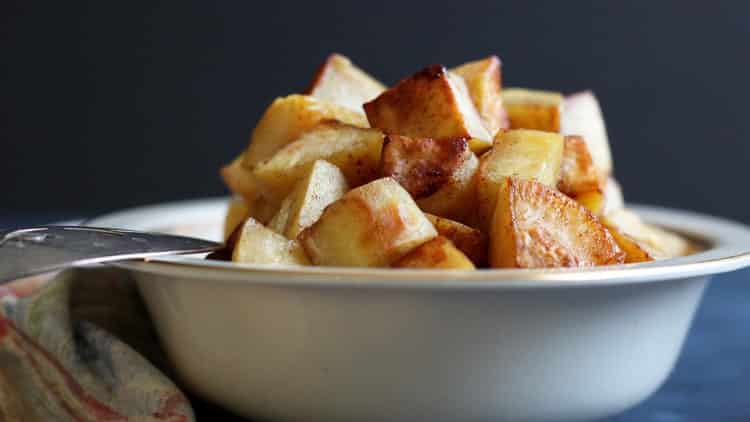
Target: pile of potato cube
<point>445,169</point>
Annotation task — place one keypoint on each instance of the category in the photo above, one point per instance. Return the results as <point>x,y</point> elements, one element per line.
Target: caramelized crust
<point>430,104</point>
<point>537,227</point>
<point>422,165</point>
<point>468,240</point>
<point>436,253</point>
<point>633,251</point>
<point>578,174</point>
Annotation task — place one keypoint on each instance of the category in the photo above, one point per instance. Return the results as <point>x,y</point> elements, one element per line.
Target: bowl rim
<point>728,249</point>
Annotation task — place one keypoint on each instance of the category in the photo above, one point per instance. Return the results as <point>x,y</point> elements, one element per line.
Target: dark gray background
<point>109,105</point>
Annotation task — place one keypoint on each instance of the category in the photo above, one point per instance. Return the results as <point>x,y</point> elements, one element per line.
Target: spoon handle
<point>35,250</point>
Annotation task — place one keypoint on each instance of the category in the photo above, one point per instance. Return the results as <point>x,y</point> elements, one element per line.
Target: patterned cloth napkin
<point>80,347</point>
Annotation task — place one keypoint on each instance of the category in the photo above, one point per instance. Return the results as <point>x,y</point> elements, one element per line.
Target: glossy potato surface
<point>535,226</point>
<point>371,226</point>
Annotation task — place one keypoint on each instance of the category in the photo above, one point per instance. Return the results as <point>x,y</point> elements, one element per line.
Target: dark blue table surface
<point>711,381</point>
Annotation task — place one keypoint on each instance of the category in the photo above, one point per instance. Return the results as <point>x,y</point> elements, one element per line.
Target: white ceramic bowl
<point>348,344</point>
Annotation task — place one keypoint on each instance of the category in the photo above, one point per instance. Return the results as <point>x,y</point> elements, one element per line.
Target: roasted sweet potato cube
<point>433,103</point>
<point>521,153</point>
<point>289,117</point>
<point>484,80</point>
<point>323,185</point>
<point>438,173</point>
<point>535,226</point>
<point>582,116</point>
<point>256,244</point>
<point>529,109</point>
<point>356,151</point>
<point>578,174</point>
<point>340,82</point>
<point>468,240</point>
<point>436,253</point>
<point>371,226</point>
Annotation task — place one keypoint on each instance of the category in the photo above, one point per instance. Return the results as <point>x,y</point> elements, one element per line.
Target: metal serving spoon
<point>30,251</point>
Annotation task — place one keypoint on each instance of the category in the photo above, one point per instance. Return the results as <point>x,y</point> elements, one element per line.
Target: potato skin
<point>535,226</point>
<point>436,253</point>
<point>439,174</point>
<point>339,81</point>
<point>484,80</point>
<point>468,240</point>
<point>371,226</point>
<point>430,104</point>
